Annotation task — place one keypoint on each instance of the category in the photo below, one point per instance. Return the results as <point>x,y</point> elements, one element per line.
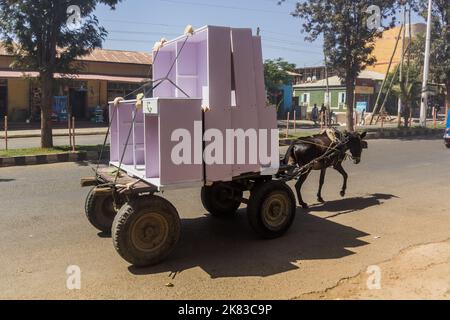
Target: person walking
<point>315,114</point>
<point>363,118</point>
<point>323,115</point>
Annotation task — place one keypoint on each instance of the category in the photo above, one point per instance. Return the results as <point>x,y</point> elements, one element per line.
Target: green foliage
<point>410,88</point>
<point>36,33</point>
<point>275,75</point>
<point>440,45</point>
<point>348,42</point>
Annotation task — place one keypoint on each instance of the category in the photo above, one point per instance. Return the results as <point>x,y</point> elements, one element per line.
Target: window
<point>305,99</point>
<point>118,89</point>
<point>342,98</point>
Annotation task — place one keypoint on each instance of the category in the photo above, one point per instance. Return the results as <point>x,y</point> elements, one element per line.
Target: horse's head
<point>356,144</point>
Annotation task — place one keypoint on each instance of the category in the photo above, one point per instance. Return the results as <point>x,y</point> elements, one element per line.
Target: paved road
<point>21,143</point>
<point>397,199</point>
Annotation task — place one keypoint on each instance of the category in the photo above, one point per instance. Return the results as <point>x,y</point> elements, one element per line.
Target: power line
<point>267,39</point>
<point>294,43</point>
<point>144,23</point>
<point>291,49</point>
<point>142,41</point>
<point>222,6</point>
<point>133,22</point>
<point>144,33</point>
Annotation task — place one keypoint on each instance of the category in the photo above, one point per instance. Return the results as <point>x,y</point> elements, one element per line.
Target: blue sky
<point>138,24</point>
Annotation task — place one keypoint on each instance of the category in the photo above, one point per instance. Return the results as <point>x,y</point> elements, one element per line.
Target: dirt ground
<point>395,215</point>
<point>421,272</point>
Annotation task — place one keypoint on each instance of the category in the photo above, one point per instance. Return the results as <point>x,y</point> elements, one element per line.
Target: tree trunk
<point>46,111</point>
<point>350,97</point>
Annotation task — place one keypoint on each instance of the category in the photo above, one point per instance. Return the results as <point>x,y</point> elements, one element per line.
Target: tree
<point>275,74</point>
<point>440,45</point>
<point>349,30</point>
<point>408,90</point>
<point>38,34</point>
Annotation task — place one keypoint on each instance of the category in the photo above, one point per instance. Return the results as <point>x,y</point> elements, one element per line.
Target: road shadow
<point>350,205</point>
<point>230,248</point>
<point>7,180</point>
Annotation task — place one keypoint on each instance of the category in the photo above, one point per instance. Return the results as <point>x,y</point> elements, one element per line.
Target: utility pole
<point>327,82</point>
<point>400,100</point>
<point>327,93</point>
<point>426,69</point>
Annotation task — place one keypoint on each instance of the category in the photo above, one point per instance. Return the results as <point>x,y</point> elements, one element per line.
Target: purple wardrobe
<point>219,69</point>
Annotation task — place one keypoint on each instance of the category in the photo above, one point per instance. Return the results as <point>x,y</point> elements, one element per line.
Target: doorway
<point>3,101</point>
<point>78,102</point>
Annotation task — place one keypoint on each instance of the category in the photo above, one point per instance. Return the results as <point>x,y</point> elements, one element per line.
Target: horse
<point>322,151</point>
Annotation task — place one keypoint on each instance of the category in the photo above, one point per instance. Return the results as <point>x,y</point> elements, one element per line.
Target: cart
<point>207,81</point>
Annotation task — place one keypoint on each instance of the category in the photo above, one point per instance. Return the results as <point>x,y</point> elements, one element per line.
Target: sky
<point>137,24</point>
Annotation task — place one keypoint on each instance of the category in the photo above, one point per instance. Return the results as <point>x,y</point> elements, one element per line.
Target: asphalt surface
<point>397,199</point>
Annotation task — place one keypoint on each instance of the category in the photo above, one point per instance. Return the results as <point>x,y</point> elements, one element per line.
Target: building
<point>384,47</point>
<point>106,74</point>
<point>367,87</point>
<point>310,87</point>
<point>312,74</point>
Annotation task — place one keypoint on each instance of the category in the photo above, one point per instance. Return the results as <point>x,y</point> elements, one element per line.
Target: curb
<point>51,159</point>
<point>416,133</point>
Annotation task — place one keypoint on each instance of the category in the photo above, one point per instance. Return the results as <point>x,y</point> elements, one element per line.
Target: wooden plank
<point>219,94</point>
<point>244,115</point>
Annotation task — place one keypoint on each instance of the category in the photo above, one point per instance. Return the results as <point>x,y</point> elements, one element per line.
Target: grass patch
<point>299,134</point>
<point>41,152</point>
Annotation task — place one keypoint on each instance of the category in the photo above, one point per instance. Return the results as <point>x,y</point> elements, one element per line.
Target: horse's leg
<point>298,187</point>
<point>322,181</point>
<point>338,167</point>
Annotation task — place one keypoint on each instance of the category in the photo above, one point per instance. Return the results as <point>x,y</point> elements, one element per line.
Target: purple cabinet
<point>216,68</point>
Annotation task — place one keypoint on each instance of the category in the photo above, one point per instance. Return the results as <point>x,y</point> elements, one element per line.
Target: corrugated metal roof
<point>115,56</point>
<point>336,81</point>
<point>33,74</point>
<point>101,55</point>
<point>332,81</point>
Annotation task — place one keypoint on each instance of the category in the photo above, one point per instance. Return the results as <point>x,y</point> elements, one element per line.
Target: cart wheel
<point>100,211</point>
<point>146,231</point>
<point>217,200</point>
<point>447,145</point>
<point>271,209</point>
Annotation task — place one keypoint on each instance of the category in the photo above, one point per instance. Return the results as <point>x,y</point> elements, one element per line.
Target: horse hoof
<point>304,205</point>
<point>342,193</point>
<point>320,200</point>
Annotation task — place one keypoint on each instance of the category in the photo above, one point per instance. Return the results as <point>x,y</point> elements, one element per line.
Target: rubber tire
<point>123,225</point>
<point>447,145</point>
<point>217,207</point>
<point>259,195</point>
<point>97,213</point>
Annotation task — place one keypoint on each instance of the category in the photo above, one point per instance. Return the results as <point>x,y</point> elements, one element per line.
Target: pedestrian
<point>437,109</point>
<point>106,114</point>
<point>363,118</point>
<point>323,115</point>
<point>315,114</point>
